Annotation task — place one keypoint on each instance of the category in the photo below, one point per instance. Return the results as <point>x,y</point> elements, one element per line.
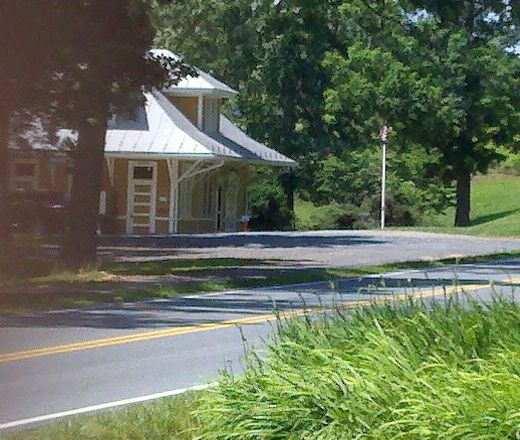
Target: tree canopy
<point>319,79</point>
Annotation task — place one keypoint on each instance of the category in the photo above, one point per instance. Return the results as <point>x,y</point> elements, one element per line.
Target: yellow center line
<point>177,331</point>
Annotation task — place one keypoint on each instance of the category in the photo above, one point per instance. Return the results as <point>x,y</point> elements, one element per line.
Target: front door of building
<point>231,218</point>
<point>218,209</point>
<point>142,191</point>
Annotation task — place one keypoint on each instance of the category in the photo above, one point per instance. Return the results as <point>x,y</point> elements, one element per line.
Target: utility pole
<point>383,134</point>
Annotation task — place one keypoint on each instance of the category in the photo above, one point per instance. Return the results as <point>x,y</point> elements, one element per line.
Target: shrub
<point>510,164</point>
<point>268,207</point>
<point>319,217</point>
<point>350,180</point>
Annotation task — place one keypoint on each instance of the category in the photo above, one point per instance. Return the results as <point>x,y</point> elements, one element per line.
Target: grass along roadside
<point>399,370</point>
<point>41,270</point>
<point>115,283</point>
<point>168,418</point>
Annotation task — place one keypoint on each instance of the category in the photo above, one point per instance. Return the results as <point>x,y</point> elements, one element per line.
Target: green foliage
<point>401,371</point>
<point>510,164</point>
<point>351,183</point>
<point>317,79</point>
<point>315,218</point>
<point>443,77</point>
<point>216,36</point>
<point>269,207</point>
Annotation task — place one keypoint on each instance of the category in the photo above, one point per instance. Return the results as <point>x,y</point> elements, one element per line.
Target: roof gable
<point>168,132</point>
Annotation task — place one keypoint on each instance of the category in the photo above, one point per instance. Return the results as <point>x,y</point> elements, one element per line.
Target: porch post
<point>200,112</point>
<point>173,169</point>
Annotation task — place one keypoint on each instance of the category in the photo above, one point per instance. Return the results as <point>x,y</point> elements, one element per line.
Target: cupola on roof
<point>203,84</point>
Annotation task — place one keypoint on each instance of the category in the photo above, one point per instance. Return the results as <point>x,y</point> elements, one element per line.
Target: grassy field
<point>402,371</point>
<point>495,210</point>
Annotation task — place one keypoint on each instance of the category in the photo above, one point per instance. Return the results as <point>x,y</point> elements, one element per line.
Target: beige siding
<point>51,172</point>
<point>118,196</point>
<point>53,175</point>
<point>188,105</point>
<point>196,226</point>
<point>163,191</point>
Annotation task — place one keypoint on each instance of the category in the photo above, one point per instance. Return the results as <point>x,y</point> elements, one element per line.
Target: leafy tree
<point>104,72</point>
<point>270,51</point>
<point>219,37</point>
<point>441,77</point>
<point>317,79</point>
<point>481,33</point>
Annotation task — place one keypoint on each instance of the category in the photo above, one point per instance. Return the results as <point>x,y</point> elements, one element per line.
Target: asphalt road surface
<point>51,362</point>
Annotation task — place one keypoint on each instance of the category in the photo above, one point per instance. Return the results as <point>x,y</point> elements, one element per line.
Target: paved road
<point>314,249</point>
<point>63,360</point>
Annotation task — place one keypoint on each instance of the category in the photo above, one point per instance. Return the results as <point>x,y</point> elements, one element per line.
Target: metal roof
<point>204,83</point>
<point>249,149</point>
<point>161,129</point>
<point>164,130</point>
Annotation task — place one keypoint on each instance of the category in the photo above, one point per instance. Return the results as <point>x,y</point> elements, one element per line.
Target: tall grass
<point>387,372</point>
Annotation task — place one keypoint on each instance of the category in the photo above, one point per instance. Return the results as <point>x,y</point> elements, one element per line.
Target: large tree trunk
<point>463,208</point>
<point>81,239</point>
<point>5,223</point>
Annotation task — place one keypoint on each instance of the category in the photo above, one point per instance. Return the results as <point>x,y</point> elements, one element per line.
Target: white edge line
<point>93,408</point>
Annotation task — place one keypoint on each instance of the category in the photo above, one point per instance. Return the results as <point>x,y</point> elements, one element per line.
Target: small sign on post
<point>383,135</point>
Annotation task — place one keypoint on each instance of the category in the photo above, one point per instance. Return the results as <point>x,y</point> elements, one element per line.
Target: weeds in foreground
<point>404,371</point>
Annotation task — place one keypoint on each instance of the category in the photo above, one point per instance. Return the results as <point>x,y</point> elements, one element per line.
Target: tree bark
<point>80,247</point>
<point>5,223</point>
<point>462,214</point>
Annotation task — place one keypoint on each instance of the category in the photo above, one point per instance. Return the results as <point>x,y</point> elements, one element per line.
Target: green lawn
<point>406,371</point>
<point>495,209</point>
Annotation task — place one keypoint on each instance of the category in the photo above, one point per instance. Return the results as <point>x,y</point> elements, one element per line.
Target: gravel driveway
<point>311,249</point>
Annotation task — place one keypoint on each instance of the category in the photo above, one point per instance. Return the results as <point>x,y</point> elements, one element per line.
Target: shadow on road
<point>195,310</point>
